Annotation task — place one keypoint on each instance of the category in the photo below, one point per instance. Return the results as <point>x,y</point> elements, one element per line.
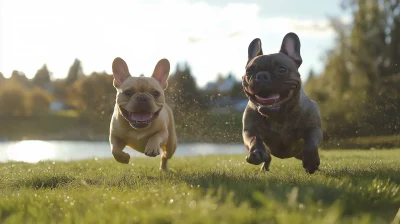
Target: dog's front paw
<point>258,156</point>
<point>121,157</point>
<point>152,150</point>
<point>311,161</point>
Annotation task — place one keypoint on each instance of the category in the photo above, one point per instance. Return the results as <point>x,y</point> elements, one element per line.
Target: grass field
<point>352,187</point>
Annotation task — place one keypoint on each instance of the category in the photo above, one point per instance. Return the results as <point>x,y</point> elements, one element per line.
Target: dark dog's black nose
<point>263,76</point>
<point>141,98</point>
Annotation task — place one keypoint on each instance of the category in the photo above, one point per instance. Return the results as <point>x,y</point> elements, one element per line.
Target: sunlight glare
<point>31,151</point>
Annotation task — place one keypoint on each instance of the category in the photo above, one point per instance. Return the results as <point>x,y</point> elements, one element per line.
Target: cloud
<point>193,40</point>
<point>235,33</point>
<point>305,27</point>
<point>212,38</point>
<point>287,8</point>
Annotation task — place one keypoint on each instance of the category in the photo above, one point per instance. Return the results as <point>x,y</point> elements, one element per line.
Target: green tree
<point>374,54</point>
<point>93,95</point>
<point>353,91</point>
<point>42,78</point>
<point>187,102</point>
<point>182,91</point>
<point>21,78</point>
<point>75,72</point>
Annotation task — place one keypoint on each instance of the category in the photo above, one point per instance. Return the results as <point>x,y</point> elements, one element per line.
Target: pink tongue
<point>268,100</point>
<point>141,116</point>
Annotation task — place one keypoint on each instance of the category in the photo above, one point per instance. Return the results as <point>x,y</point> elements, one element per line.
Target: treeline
<point>92,98</point>
<point>18,97</point>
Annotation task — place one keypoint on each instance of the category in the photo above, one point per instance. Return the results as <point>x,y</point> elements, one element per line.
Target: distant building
<point>210,86</point>
<point>58,105</point>
<point>225,105</point>
<point>223,86</point>
<point>227,84</point>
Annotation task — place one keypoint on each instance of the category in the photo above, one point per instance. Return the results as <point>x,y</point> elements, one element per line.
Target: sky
<point>211,35</point>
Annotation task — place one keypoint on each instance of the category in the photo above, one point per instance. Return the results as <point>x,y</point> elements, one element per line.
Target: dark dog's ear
<point>291,47</point>
<point>161,72</point>
<point>120,71</point>
<point>254,49</point>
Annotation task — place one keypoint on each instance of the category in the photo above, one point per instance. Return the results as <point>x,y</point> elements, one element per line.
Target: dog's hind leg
<point>170,148</point>
<point>168,152</point>
<point>164,159</point>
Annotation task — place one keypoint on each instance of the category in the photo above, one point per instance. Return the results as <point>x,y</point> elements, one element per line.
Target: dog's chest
<point>137,136</point>
<point>281,138</point>
<point>136,140</point>
<point>272,132</point>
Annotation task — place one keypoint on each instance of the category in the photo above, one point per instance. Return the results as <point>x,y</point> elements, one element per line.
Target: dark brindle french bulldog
<point>279,118</point>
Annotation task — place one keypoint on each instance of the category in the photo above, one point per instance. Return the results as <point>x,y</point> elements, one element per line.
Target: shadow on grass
<point>122,180</point>
<point>383,173</point>
<point>354,200</point>
<point>38,182</point>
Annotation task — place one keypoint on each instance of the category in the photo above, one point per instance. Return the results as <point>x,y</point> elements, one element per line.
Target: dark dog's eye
<point>282,69</point>
<point>156,94</point>
<point>249,71</point>
<point>128,93</point>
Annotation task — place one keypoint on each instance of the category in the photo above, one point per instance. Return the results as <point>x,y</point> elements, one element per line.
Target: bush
<point>39,101</point>
<point>12,100</point>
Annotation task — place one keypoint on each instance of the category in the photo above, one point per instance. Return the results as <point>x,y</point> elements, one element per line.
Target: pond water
<point>33,151</point>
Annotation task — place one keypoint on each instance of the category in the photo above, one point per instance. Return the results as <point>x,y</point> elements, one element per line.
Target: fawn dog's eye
<point>156,94</point>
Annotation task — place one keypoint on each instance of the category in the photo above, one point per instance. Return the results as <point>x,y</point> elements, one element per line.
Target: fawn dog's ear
<point>120,71</point>
<point>161,72</point>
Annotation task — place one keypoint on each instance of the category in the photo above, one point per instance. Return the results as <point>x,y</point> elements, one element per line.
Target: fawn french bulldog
<point>279,119</point>
<point>141,119</point>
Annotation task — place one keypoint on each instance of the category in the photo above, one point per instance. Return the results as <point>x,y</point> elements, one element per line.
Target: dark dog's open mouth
<point>271,99</point>
<point>139,119</point>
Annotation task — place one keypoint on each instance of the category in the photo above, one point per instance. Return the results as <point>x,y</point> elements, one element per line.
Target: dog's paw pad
<point>152,152</point>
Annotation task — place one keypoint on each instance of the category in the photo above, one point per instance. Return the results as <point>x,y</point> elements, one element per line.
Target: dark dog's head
<point>140,99</point>
<point>272,81</point>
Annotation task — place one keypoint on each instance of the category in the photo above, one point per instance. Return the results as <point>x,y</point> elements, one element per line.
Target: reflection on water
<point>35,151</point>
<point>30,151</point>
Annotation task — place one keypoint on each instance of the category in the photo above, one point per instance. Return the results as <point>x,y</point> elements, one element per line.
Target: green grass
<point>367,142</point>
<point>352,187</point>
